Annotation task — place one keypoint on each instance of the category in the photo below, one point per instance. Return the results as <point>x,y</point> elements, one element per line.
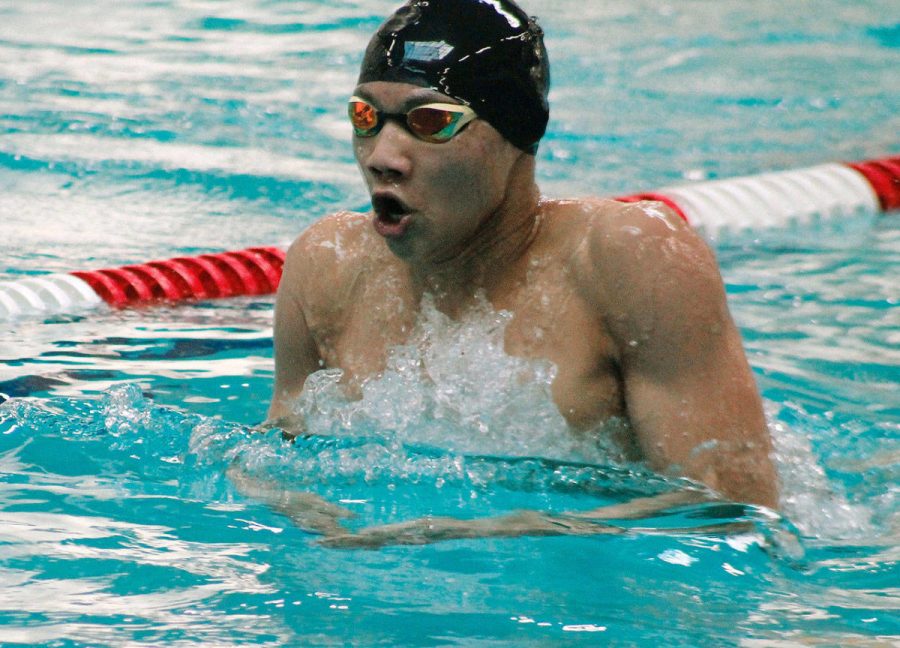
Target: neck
<point>484,260</point>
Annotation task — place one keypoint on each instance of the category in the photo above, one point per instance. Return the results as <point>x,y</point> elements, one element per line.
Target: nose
<point>386,156</point>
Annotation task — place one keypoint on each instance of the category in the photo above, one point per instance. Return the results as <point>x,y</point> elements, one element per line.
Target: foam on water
<point>808,497</point>
<point>453,386</point>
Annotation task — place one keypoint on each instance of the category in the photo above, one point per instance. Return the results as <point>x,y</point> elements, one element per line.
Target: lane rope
<point>254,271</point>
<point>719,210</point>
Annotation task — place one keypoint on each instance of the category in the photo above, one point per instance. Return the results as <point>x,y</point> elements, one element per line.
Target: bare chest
<point>552,321</point>
<point>548,321</point>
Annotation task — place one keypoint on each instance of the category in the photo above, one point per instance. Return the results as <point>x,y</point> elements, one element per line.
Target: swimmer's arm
<point>600,521</point>
<point>689,390</point>
<point>296,353</point>
<point>308,511</point>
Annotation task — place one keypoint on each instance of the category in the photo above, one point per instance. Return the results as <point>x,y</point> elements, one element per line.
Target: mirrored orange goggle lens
<point>429,121</point>
<point>363,116</point>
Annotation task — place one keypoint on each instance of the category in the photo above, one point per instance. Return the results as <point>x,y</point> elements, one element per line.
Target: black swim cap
<point>487,54</point>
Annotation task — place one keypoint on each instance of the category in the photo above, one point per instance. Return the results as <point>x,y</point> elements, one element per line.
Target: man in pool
<point>624,299</point>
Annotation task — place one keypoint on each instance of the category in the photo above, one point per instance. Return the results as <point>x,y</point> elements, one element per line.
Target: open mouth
<point>392,216</point>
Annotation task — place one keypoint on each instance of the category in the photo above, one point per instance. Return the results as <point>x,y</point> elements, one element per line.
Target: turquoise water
<point>141,130</point>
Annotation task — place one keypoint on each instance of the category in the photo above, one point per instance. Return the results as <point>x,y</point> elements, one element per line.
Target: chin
<point>402,248</point>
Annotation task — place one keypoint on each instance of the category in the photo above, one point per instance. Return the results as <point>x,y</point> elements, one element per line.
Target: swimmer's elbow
<point>749,480</point>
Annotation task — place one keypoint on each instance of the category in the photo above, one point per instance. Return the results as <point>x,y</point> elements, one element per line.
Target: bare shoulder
<point>642,236</point>
<point>333,239</point>
<point>328,255</point>
<point>627,247</point>
<point>644,269</point>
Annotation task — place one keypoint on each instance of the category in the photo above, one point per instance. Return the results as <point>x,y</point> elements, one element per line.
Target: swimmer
<point>624,299</point>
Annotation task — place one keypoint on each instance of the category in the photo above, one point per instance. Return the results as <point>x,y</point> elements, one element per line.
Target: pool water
<point>151,129</point>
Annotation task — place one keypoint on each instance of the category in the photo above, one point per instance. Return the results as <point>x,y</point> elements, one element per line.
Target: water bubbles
<point>808,497</point>
<point>122,410</point>
<point>452,386</point>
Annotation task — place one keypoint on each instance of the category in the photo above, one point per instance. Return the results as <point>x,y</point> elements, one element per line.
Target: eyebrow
<point>418,97</point>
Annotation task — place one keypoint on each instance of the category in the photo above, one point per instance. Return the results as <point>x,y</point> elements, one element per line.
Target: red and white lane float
<point>718,209</point>
<point>254,271</point>
<point>725,209</point>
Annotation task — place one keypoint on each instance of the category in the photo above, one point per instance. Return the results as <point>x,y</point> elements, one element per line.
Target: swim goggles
<point>433,122</point>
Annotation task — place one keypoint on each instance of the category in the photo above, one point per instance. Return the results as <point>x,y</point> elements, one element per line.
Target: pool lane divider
<point>254,271</point>
<point>726,210</point>
<point>717,209</point>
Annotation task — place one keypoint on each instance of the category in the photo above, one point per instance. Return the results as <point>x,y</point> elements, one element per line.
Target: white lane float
<point>719,209</point>
<point>722,210</point>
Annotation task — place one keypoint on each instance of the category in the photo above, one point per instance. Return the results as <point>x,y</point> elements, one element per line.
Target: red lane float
<point>718,209</point>
<point>254,271</point>
<point>884,176</point>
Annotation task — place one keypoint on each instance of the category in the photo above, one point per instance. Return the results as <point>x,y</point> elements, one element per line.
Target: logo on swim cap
<point>426,51</point>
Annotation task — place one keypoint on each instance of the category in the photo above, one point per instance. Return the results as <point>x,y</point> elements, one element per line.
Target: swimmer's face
<point>429,199</point>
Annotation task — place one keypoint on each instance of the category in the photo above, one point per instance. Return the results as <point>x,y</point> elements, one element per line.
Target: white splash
<point>808,497</point>
<point>452,386</point>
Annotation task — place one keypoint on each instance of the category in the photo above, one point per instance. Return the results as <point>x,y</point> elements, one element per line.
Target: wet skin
<point>625,300</point>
